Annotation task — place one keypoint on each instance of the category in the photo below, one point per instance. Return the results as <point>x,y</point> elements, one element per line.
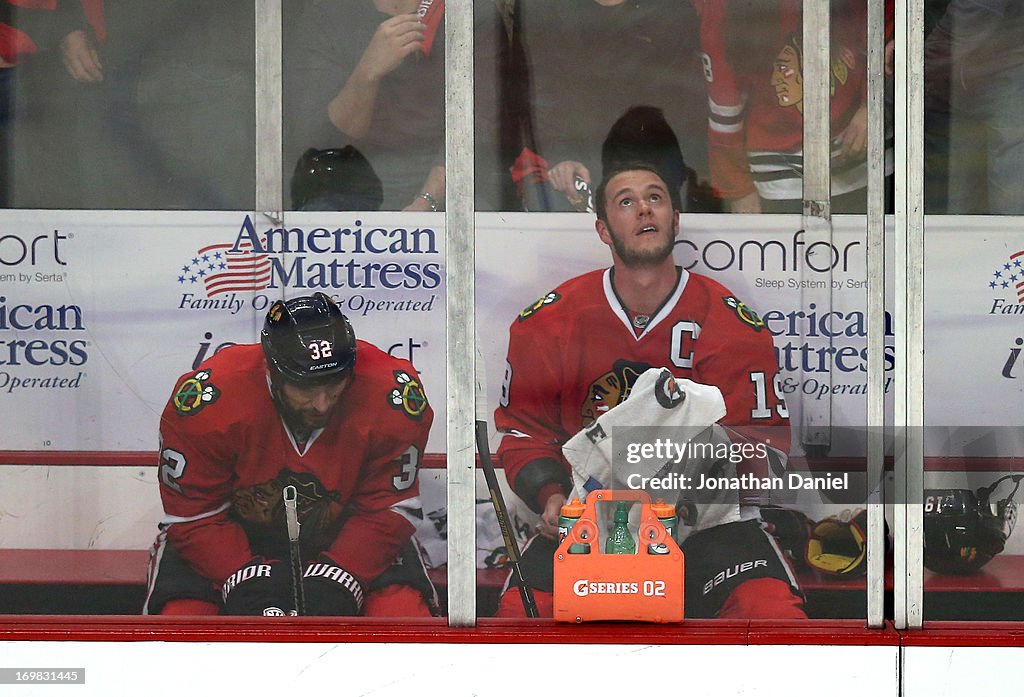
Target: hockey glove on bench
<point>260,587</point>
<point>330,590</point>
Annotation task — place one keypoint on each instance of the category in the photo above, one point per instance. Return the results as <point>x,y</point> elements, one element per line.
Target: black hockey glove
<point>260,587</point>
<point>330,590</point>
<point>791,529</point>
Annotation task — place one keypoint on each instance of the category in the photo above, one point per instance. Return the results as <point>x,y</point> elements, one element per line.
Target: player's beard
<point>300,422</point>
<point>640,257</point>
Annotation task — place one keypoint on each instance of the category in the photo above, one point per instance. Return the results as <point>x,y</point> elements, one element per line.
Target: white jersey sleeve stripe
<point>172,519</point>
<point>411,509</point>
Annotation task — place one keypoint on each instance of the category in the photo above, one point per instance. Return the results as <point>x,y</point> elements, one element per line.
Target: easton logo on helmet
<point>321,350</point>
<point>308,340</point>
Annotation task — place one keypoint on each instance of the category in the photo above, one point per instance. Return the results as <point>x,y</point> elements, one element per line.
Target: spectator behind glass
<point>590,61</point>
<point>172,125</point>
<point>754,71</point>
<point>371,74</point>
<point>175,75</point>
<point>974,92</point>
<point>45,25</point>
<point>42,38</point>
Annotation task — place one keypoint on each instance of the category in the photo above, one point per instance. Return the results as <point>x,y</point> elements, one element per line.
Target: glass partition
<point>584,66</point>
<point>192,367</point>
<point>364,186</point>
<point>736,344</point>
<point>972,141</point>
<point>681,114</point>
<point>129,105</point>
<point>364,116</point>
<point>973,293</point>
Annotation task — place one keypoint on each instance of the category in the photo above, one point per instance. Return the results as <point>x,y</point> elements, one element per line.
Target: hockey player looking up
<point>575,354</point>
<point>297,410</point>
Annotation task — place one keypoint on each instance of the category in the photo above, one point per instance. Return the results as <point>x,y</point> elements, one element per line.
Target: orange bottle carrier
<point>642,587</point>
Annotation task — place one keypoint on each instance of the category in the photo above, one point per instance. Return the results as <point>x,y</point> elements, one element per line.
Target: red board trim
<point>434,631</point>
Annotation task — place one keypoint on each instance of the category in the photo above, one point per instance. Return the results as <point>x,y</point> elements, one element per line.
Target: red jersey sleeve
<point>727,152</point>
<point>735,353</point>
<point>196,481</point>
<point>529,414</point>
<point>379,513</point>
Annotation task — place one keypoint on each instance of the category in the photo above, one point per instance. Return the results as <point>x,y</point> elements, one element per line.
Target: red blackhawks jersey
<point>573,355</point>
<point>221,434</point>
<point>755,127</point>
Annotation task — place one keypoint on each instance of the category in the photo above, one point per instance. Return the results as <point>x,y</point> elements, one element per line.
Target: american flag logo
<point>222,270</point>
<point>1010,276</point>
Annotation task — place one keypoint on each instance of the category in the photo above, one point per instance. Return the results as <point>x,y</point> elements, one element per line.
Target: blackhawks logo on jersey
<point>194,393</point>
<point>408,395</point>
<point>746,315</point>
<point>544,301</point>
<point>260,510</point>
<point>611,389</point>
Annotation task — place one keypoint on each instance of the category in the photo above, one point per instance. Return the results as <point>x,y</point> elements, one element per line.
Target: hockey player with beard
<point>296,410</point>
<point>575,354</point>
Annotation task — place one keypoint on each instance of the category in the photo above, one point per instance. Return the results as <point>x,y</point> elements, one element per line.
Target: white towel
<point>682,411</point>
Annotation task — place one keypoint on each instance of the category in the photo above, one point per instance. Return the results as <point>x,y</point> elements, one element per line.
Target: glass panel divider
<point>461,308</point>
<point>269,110</point>
<point>876,315</point>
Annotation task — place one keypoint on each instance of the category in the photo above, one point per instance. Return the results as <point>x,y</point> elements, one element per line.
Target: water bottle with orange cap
<point>666,513</point>
<point>567,518</point>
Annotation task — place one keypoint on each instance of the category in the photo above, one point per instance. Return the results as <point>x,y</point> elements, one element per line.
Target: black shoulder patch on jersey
<point>194,393</point>
<point>408,396</point>
<point>543,301</point>
<point>746,315</point>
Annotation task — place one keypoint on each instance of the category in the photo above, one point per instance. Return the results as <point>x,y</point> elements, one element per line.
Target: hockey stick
<point>501,512</point>
<point>291,516</point>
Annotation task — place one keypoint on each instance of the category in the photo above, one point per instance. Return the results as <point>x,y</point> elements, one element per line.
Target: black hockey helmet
<point>307,340</point>
<point>335,180</point>
<point>964,529</point>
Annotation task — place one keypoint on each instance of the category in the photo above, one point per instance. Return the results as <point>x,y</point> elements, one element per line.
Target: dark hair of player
<point>308,341</point>
<point>600,205</point>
